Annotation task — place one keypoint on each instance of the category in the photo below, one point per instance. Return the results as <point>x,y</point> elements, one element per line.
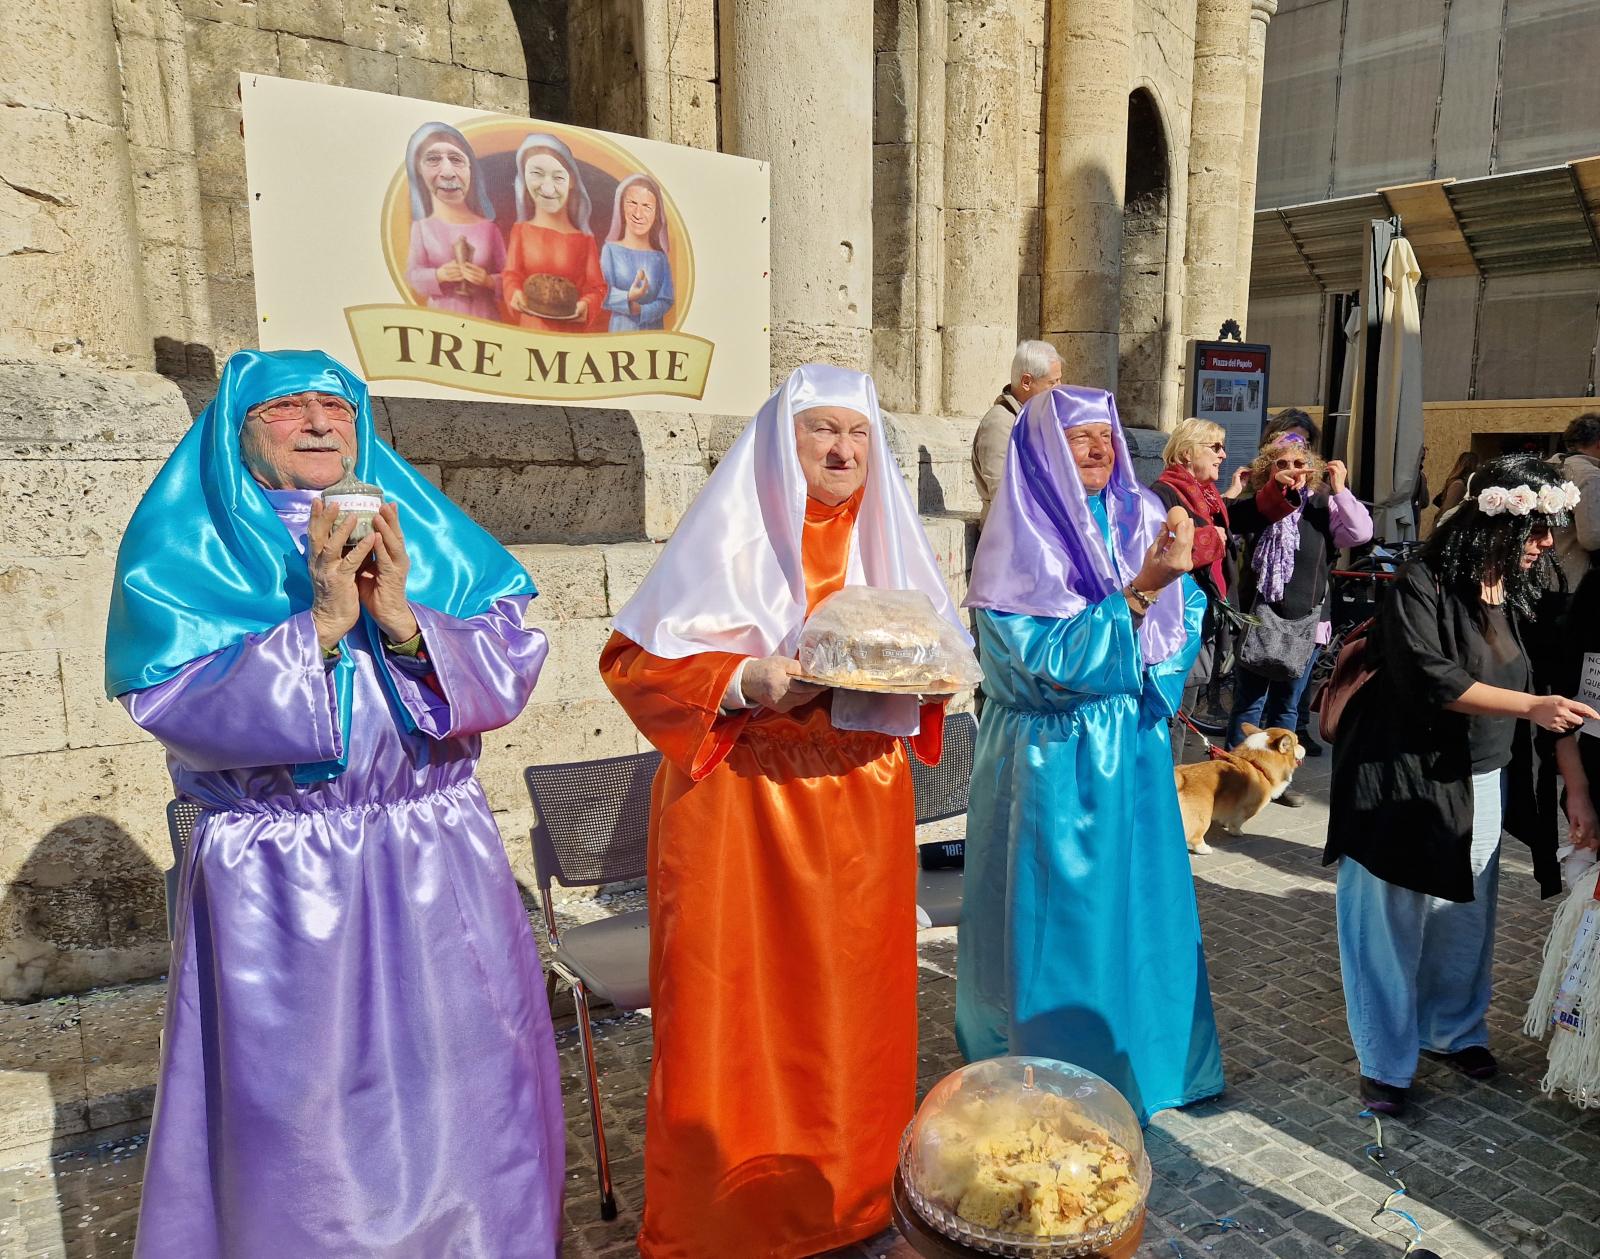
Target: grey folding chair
<point>181,817</point>
<point>941,792</point>
<point>592,827</point>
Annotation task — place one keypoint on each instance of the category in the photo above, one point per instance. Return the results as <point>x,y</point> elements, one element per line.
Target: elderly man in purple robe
<point>357,1058</point>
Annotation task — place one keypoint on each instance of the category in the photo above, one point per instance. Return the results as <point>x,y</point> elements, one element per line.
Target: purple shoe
<point>1381,1098</point>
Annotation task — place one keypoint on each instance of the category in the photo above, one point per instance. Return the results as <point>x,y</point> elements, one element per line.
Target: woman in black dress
<point>1434,756</point>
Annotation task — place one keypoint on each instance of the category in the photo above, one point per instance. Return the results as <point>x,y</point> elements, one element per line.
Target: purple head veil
<point>1042,552</point>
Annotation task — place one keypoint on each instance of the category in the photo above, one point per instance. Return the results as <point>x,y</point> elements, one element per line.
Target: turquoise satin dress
<point>1080,938</point>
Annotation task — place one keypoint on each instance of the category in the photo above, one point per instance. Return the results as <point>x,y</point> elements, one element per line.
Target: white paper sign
<point>1230,389</point>
<point>1589,690</point>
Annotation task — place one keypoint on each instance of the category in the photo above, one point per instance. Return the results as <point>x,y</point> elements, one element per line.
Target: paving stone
<point>1582,1233</point>
<point>1495,1170</point>
<point>1530,1206</point>
<point>1560,1250</point>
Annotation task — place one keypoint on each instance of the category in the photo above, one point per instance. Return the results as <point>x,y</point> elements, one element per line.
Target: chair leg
<point>550,981</point>
<point>608,1200</point>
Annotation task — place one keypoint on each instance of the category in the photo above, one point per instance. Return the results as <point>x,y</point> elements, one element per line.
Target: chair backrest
<point>181,817</point>
<point>942,789</point>
<point>593,819</point>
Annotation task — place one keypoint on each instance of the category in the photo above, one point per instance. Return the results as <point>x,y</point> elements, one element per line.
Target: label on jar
<point>371,503</point>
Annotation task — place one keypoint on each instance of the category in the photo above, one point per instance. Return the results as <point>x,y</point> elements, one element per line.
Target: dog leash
<point>1219,753</point>
<point>1214,751</point>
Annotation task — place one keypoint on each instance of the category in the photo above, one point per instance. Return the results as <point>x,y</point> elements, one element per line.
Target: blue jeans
<point>1265,703</point>
<point>1417,969</point>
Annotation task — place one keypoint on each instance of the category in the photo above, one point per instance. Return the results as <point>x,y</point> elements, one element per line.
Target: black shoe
<point>1475,1062</point>
<point>1312,747</point>
<point>1381,1098</point>
<point>1290,799</point>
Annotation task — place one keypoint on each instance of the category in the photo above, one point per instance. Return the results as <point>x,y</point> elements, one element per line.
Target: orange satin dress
<point>783,967</point>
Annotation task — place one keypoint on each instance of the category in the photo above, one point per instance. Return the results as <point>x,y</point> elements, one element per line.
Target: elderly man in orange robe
<point>783,965</point>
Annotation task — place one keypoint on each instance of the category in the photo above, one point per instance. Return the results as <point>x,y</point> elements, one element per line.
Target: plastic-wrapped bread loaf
<point>864,638</point>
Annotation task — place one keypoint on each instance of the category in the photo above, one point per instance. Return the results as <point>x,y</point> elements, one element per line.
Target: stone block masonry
<point>935,193</point>
<point>83,839</point>
<point>1494,1170</point>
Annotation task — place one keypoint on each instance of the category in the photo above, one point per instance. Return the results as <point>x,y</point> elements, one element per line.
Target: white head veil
<point>731,577</point>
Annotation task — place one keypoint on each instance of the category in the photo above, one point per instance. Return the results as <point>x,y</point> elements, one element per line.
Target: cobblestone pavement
<point>1494,1169</point>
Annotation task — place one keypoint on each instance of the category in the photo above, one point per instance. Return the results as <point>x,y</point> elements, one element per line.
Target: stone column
<point>1087,70</point>
<point>797,93</point>
<point>1261,12</point>
<point>646,70</point>
<point>71,276</point>
<point>932,48</point>
<point>1216,138</point>
<point>982,129</point>
<point>908,203</point>
<point>152,44</point>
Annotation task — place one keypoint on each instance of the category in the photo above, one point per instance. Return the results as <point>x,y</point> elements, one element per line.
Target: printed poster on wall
<point>1230,389</point>
<point>445,252</point>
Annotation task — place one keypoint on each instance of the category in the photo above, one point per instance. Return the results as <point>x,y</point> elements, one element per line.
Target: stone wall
<point>126,276</point>
<point>463,52</point>
<point>82,790</point>
<point>1094,302</point>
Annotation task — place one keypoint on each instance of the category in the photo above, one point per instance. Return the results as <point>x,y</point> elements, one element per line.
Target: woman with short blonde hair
<point>1194,455</point>
<point>1190,436</point>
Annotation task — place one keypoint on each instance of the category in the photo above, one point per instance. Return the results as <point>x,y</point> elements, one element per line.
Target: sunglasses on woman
<point>1218,447</point>
<point>1290,465</point>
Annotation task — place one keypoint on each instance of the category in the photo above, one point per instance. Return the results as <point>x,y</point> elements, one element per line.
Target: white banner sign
<point>445,252</point>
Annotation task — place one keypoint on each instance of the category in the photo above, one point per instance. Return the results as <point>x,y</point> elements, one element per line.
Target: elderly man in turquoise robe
<point>1080,936</point>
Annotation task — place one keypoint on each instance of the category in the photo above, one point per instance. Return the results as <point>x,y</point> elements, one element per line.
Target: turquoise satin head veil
<point>205,560</point>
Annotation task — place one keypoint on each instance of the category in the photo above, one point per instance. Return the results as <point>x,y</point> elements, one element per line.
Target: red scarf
<point>1204,500</point>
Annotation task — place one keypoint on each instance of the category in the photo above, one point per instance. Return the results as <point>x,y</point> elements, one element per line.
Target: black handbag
<point>1280,649</point>
<point>1277,648</point>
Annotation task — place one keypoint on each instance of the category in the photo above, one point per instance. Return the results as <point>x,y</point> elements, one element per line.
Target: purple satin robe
<point>358,1059</point>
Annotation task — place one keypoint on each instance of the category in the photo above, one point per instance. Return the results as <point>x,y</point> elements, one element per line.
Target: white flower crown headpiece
<point>1552,500</point>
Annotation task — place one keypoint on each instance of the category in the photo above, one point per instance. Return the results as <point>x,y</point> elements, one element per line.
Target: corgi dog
<point>1233,789</point>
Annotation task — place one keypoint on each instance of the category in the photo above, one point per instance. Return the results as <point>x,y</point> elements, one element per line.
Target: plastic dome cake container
<point>1027,1157</point>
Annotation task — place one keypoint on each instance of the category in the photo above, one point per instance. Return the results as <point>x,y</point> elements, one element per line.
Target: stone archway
<point>1143,315</point>
<point>542,28</point>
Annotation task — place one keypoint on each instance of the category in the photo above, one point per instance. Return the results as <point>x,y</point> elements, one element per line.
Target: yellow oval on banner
<point>495,139</point>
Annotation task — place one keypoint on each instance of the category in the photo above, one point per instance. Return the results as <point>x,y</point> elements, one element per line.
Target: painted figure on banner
<point>457,251</point>
<point>552,278</point>
<point>634,259</point>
